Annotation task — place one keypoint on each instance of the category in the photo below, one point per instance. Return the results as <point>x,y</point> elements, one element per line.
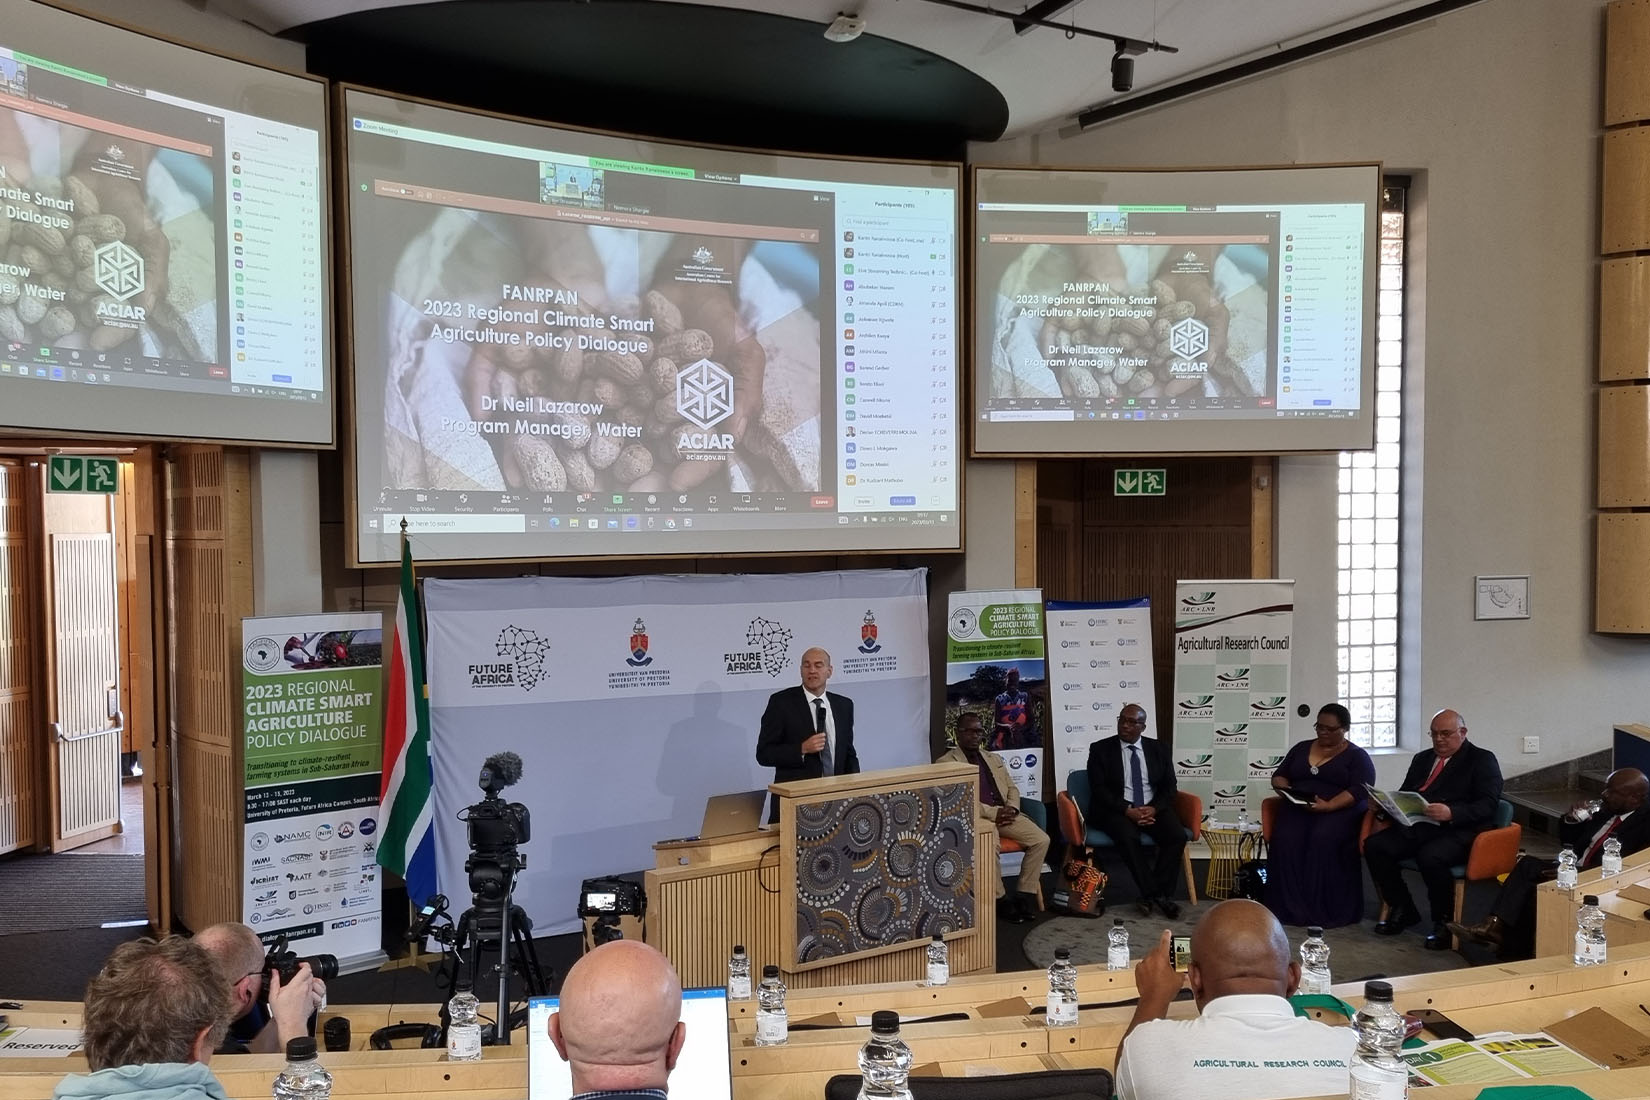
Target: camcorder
<point>606,900</point>
<point>285,962</point>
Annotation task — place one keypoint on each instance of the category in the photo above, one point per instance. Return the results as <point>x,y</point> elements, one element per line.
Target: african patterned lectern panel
<point>881,869</point>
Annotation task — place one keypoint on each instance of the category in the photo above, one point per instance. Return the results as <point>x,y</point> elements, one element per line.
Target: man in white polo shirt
<point>1247,1043</point>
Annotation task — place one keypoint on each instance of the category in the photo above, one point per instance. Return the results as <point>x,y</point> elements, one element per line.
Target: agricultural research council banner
<point>1100,661</point>
<point>989,635</point>
<point>1232,643</point>
<point>312,703</point>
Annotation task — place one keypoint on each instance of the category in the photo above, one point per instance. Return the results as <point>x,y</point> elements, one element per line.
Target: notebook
<point>703,1070</point>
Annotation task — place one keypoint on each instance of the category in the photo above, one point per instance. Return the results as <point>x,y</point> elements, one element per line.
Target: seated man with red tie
<point>1000,802</point>
<point>1462,783</point>
<point>1510,927</point>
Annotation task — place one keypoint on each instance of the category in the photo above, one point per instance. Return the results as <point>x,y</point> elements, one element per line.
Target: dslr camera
<point>607,899</point>
<point>285,962</point>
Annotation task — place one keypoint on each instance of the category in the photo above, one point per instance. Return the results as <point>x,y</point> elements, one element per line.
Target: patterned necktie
<point>1135,776</point>
<point>825,758</point>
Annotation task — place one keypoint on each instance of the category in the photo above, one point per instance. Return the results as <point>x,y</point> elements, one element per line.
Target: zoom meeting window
<point>1175,311</point>
<point>572,344</point>
<point>162,259</point>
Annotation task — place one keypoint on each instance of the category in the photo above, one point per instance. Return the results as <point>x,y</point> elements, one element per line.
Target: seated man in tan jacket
<point>1000,802</point>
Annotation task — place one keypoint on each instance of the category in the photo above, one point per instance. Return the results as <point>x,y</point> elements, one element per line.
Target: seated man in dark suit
<point>1511,923</point>
<point>1463,784</point>
<point>1135,796</point>
<point>807,732</point>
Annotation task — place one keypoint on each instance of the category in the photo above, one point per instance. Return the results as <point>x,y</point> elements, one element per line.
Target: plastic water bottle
<point>1586,811</point>
<point>1377,1073</point>
<point>1243,818</point>
<point>1062,990</point>
<point>939,963</point>
<point>885,1061</point>
<point>772,1025</point>
<point>1612,857</point>
<point>303,1078</point>
<point>1589,933</point>
<point>1566,869</point>
<point>1117,945</point>
<point>463,1024</point>
<point>739,974</point>
<point>1314,962</point>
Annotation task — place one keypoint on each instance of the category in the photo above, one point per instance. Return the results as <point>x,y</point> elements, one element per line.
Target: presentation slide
<point>571,344</point>
<point>163,259</point>
<point>1128,312</point>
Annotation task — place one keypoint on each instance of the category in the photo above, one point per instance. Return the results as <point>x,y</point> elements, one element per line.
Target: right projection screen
<point>1155,311</point>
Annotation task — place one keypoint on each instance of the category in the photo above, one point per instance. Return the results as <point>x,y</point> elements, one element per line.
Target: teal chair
<point>1073,804</point>
<point>1038,815</point>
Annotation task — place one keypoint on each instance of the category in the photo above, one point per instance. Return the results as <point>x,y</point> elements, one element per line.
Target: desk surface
<point>996,1032</point>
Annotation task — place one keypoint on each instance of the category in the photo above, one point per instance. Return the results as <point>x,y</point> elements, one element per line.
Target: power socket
<point>1532,743</point>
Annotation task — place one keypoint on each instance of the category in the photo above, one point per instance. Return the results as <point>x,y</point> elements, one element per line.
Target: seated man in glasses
<point>1462,784</point>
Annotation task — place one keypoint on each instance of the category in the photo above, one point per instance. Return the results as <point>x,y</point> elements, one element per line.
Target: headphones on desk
<point>428,1035</point>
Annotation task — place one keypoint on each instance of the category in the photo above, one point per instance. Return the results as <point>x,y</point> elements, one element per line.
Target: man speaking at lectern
<point>807,732</point>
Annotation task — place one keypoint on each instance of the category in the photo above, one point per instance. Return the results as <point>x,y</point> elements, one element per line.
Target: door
<point>18,726</point>
<point>84,712</point>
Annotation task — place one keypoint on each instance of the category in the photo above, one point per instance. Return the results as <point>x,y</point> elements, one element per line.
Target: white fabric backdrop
<point>621,748</point>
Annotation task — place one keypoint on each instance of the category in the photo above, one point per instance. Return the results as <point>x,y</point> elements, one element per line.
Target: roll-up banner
<point>1232,644</point>
<point>1100,661</point>
<point>995,667</point>
<point>312,699</point>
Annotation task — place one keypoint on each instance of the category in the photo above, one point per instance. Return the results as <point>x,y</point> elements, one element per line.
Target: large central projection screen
<point>164,259</point>
<point>571,344</point>
<point>1156,311</point>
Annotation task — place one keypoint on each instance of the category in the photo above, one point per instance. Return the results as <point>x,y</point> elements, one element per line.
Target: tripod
<point>498,926</point>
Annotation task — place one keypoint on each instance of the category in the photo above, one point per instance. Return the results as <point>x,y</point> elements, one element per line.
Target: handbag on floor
<point>1250,881</point>
<point>1084,886</point>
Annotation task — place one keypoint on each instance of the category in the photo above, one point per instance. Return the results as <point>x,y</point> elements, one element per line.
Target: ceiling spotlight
<point>845,27</point>
<point>1122,70</point>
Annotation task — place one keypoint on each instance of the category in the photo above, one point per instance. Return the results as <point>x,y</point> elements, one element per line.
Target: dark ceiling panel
<point>678,71</point>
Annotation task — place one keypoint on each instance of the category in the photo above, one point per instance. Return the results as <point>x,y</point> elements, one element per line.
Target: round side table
<point>1229,847</point>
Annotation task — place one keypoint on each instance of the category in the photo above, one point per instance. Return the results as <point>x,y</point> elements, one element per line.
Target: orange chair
<point>1075,832</point>
<point>1038,815</point>
<point>1269,808</point>
<point>1493,853</point>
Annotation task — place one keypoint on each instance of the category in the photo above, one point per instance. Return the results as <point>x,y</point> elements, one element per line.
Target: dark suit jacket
<point>1634,834</point>
<point>1108,776</point>
<point>1470,785</point>
<point>789,721</point>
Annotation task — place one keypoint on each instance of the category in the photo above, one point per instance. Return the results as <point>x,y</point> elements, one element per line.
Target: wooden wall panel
<point>1625,206</point>
<point>1624,447</point>
<point>1627,62</point>
<point>19,764</point>
<point>209,591</point>
<point>1096,546</point>
<point>1624,318</point>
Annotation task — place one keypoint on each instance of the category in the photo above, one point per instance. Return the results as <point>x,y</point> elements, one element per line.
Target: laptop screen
<point>702,1071</point>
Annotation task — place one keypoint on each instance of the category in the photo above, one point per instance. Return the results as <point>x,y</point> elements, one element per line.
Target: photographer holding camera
<point>261,1020</point>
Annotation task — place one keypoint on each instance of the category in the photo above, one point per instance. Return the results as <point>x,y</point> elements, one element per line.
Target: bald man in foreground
<point>619,1026</point>
<point>1246,1043</point>
<point>1510,925</point>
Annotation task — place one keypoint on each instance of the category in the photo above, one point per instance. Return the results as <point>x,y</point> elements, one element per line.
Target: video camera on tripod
<point>493,923</point>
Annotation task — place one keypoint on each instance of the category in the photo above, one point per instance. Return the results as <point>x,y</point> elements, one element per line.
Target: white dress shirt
<point>1143,797</point>
<point>830,724</point>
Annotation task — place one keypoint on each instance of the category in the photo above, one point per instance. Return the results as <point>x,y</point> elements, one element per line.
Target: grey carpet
<point>1354,952</point>
<point>45,892</point>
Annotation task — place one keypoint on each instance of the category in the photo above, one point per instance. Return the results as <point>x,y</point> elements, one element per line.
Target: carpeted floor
<point>46,892</point>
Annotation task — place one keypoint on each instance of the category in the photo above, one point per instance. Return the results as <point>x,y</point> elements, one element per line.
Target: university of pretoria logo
<point>868,634</point>
<point>638,646</point>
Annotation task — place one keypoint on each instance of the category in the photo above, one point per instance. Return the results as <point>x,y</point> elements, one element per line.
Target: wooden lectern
<point>850,886</point>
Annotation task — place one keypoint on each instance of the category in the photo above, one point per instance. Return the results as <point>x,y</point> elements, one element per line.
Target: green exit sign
<point>1139,483</point>
<point>83,474</point>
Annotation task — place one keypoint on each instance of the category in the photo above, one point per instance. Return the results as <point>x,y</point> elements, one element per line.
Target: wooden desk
<point>1624,923</point>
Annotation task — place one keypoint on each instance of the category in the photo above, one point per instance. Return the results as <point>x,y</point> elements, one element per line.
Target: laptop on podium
<point>727,814</point>
<point>702,1072</point>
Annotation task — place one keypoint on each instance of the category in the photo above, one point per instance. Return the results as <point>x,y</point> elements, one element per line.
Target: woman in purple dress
<point>1314,874</point>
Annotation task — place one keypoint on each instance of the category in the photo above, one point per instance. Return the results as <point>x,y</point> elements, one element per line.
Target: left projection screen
<point>163,250</point>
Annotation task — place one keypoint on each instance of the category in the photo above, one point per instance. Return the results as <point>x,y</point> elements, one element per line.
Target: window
<point>1367,531</point>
